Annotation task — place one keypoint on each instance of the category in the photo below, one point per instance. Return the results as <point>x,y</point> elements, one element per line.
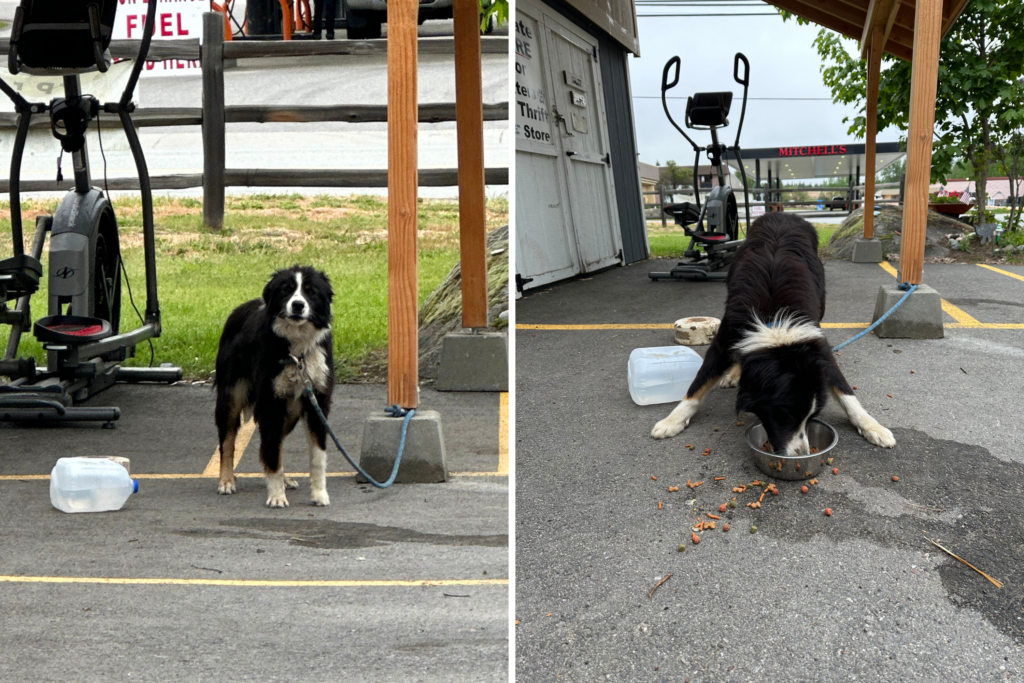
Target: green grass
<point>204,275</point>
<point>670,242</point>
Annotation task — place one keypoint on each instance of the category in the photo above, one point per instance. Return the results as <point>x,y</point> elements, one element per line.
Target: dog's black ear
<point>268,289</point>
<point>328,289</point>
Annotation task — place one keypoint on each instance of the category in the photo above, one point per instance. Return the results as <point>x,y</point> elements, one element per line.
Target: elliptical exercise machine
<point>81,332</point>
<point>720,237</point>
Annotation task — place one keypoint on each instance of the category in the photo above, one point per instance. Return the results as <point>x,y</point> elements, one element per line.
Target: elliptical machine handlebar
<point>140,60</point>
<point>745,82</point>
<point>665,87</point>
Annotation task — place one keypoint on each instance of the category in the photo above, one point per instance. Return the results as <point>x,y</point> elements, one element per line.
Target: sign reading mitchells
<point>533,122</point>
<point>181,19</point>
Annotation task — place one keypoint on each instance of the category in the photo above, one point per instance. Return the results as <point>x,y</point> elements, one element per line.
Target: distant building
<point>997,190</point>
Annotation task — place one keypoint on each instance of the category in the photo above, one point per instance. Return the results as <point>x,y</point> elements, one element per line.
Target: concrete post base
<point>473,362</point>
<point>867,251</point>
<point>423,461</point>
<point>920,316</point>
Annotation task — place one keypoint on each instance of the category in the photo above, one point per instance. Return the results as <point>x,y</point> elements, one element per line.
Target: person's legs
<point>318,10</point>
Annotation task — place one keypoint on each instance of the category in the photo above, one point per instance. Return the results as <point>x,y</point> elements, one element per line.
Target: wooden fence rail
<point>249,177</point>
<point>270,113</point>
<point>161,50</point>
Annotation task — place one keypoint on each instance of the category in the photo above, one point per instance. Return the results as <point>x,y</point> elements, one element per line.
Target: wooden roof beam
<point>818,16</point>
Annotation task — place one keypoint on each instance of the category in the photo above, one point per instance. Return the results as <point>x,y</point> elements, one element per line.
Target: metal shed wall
<point>621,134</point>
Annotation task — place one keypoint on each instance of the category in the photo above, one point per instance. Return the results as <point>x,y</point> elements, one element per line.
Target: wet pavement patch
<point>331,535</point>
<point>982,519</point>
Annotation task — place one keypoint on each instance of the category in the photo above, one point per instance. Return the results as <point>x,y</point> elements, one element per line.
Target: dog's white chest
<point>292,379</point>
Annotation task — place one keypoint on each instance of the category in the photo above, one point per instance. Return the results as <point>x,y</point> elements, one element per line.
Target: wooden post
<point>213,120</point>
<point>871,114</point>
<point>661,205</point>
<point>469,116</point>
<point>403,330</point>
<point>923,84</point>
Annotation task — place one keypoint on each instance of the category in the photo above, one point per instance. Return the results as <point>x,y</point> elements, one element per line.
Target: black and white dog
<point>270,349</point>
<point>770,341</point>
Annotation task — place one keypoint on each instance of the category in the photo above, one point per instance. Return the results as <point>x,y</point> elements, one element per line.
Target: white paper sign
<point>532,118</point>
<point>181,19</point>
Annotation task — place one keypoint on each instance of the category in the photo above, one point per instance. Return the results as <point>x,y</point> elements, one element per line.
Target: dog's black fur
<point>778,279</point>
<point>257,374</point>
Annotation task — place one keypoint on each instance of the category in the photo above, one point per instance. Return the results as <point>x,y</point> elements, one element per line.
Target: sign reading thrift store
<point>175,19</point>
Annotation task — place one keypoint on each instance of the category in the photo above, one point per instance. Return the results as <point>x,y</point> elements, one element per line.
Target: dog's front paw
<point>728,382</point>
<point>226,487</point>
<point>278,500</point>
<point>291,484</point>
<point>320,498</point>
<point>668,427</point>
<point>879,435</point>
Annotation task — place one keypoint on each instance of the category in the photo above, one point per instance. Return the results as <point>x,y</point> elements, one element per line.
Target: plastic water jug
<point>661,374</point>
<point>90,485</point>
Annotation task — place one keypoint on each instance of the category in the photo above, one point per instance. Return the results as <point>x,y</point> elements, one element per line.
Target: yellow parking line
<point>327,583</point>
<point>1004,272</point>
<point>240,475</point>
<point>610,326</point>
<point>241,441</point>
<point>503,436</point>
<point>952,311</point>
<point>655,326</point>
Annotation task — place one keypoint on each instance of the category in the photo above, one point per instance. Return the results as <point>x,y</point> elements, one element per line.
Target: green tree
<point>673,176</point>
<point>1009,148</point>
<point>981,58</point>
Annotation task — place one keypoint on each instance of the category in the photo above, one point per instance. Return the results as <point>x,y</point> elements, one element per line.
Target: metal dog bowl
<point>820,435</point>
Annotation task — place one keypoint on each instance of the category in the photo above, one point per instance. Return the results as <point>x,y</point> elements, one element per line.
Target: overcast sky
<point>783,63</point>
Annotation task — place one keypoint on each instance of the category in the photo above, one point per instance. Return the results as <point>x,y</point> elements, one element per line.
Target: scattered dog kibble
<point>828,512</point>
<point>723,507</point>
<point>889,395</point>
<point>654,477</point>
<point>719,478</point>
<point>716,429</point>
<point>673,489</point>
<point>696,539</point>
<point>739,424</point>
<point>854,386</point>
<point>829,461</point>
<point>732,503</point>
<point>681,548</point>
<point>659,504</point>
<point>835,470</point>
<point>895,478</point>
<point>753,529</point>
<point>911,372</point>
<point>804,489</point>
<point>725,527</point>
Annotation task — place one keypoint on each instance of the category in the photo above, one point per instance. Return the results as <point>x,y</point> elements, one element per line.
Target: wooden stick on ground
<point>663,580</point>
<point>997,584</point>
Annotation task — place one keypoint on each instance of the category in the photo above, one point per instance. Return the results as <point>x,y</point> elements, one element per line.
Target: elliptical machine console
<point>81,331</point>
<point>714,242</point>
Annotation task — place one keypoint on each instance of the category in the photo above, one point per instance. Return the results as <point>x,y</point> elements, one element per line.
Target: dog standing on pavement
<point>770,341</point>
<point>270,350</point>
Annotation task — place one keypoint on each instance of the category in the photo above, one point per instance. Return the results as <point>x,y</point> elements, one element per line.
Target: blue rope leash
<point>910,290</point>
<point>393,411</point>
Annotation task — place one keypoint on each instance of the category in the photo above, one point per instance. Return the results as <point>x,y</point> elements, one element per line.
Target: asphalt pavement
<point>860,595</point>
<point>182,584</point>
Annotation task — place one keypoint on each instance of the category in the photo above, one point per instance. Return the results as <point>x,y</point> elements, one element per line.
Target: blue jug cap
<point>135,485</point>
